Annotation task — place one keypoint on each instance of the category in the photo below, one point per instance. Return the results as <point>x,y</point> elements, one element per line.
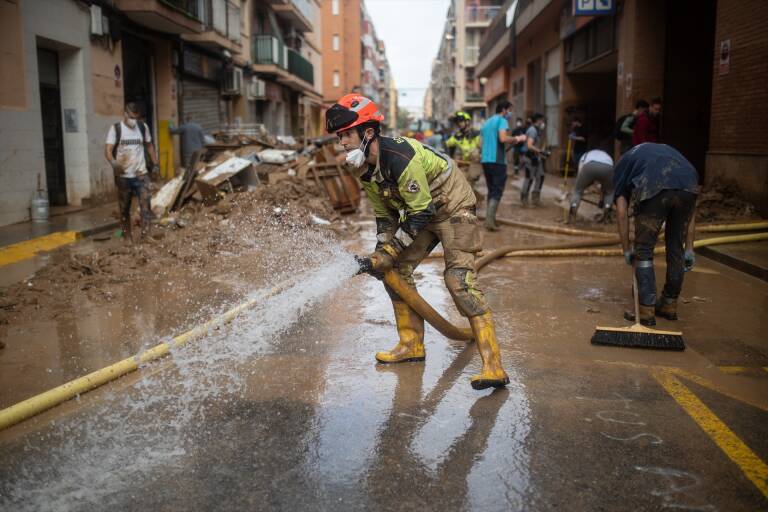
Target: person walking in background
<point>495,133</point>
<point>594,166</point>
<point>626,124</point>
<point>192,138</point>
<point>519,147</point>
<point>128,149</point>
<point>578,140</point>
<point>532,159</point>
<point>646,127</point>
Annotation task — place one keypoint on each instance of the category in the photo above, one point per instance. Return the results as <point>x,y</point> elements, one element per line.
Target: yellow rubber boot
<point>493,375</point>
<point>410,327</point>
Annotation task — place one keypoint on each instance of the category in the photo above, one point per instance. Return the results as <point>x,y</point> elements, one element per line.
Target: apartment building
<point>355,59</point>
<point>541,57</point>
<point>455,84</point>
<point>68,67</point>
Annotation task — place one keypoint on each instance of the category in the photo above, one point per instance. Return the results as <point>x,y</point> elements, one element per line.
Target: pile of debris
<point>721,202</point>
<point>276,168</point>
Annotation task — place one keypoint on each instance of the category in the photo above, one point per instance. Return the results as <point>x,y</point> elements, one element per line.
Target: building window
<point>336,79</point>
<point>336,43</point>
<point>335,7</point>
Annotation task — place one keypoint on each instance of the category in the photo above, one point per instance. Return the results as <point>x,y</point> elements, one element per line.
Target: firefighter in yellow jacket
<point>419,199</point>
<point>465,140</point>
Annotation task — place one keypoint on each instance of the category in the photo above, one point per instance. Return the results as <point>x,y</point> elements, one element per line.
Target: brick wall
<point>347,60</point>
<point>739,120</point>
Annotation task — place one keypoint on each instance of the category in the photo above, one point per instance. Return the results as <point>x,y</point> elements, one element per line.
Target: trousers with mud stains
<point>126,189</point>
<point>455,226</point>
<point>674,209</point>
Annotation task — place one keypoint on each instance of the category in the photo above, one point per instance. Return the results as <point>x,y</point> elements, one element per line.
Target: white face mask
<point>130,123</point>
<point>356,157</point>
<point>542,126</point>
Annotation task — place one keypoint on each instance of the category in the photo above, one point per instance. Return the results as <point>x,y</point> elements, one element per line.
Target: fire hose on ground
<point>53,397</point>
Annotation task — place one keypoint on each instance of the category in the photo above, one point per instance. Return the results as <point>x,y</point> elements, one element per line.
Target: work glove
<point>155,171</point>
<point>365,265</point>
<point>629,257</point>
<point>375,264</point>
<point>690,259</point>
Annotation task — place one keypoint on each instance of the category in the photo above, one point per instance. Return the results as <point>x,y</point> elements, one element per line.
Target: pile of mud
<point>720,202</point>
<point>237,236</point>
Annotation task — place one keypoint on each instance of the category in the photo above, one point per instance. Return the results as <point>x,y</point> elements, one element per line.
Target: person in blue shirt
<point>657,185</point>
<point>495,133</point>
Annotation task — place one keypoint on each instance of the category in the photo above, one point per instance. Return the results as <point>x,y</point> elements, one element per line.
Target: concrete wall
<point>62,26</point>
<point>641,44</point>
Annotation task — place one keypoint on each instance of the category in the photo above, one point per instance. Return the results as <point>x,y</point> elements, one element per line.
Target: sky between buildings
<point>411,30</point>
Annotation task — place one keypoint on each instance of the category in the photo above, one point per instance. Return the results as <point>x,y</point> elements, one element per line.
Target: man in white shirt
<point>128,147</point>
<point>595,165</point>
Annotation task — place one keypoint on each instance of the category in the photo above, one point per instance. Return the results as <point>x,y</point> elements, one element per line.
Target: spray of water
<point>83,462</point>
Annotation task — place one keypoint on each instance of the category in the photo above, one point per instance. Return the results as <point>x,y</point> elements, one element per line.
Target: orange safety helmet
<point>350,111</point>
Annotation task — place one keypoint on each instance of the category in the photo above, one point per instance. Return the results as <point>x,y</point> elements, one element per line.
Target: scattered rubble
<point>721,202</point>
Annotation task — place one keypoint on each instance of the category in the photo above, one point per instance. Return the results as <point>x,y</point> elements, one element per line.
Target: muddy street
<point>285,408</point>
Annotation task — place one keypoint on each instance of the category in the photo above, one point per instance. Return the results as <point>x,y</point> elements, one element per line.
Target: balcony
<point>301,67</point>
<point>221,19</point>
<point>289,67</point>
<point>298,13</point>
<point>168,16</point>
<point>481,16</point>
<point>471,56</point>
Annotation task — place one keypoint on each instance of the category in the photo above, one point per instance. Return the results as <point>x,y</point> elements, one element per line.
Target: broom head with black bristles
<point>638,336</point>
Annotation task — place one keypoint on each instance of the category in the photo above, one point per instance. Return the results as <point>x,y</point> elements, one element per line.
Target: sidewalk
<point>750,258</point>
<point>19,242</point>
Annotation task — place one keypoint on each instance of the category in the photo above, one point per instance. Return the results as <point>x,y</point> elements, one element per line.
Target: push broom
<point>638,335</point>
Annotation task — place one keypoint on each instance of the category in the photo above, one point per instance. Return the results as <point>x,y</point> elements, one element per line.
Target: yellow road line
<point>733,370</point>
<point>749,463</point>
<point>27,249</point>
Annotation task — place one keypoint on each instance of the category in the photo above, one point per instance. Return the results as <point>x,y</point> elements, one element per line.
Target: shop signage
<point>594,7</point>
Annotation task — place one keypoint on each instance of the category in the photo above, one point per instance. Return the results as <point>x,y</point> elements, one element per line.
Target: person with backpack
<point>128,150</point>
<point>625,126</point>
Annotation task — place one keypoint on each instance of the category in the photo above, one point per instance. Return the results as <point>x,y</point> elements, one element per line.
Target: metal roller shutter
<point>201,99</point>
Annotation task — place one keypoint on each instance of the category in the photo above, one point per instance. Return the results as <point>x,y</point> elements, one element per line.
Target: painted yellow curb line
<point>750,464</point>
<point>27,249</point>
<point>44,401</point>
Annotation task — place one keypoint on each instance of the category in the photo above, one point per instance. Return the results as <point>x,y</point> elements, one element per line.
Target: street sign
<point>594,7</point>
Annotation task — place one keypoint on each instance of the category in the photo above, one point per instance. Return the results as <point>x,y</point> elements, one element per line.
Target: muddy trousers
<point>126,189</point>
<point>460,237</point>
<point>534,175</point>
<point>673,209</point>
<point>593,172</point>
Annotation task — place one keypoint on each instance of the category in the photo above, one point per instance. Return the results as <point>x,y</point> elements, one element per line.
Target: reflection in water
<point>99,458</point>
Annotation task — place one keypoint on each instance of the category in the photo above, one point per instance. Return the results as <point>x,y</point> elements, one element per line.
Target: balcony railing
<point>481,13</point>
<point>224,18</point>
<point>189,7</point>
<point>471,55</point>
<point>301,67</point>
<point>269,50</point>
<point>474,97</point>
<point>496,31</point>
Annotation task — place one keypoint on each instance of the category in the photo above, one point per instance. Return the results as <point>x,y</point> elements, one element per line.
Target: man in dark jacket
<point>657,185</point>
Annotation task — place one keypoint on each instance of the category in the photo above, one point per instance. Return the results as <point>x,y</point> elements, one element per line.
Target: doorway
<point>688,78</point>
<point>138,76</point>
<point>53,140</point>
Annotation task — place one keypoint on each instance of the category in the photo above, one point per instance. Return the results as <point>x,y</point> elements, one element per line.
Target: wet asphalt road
<point>315,424</point>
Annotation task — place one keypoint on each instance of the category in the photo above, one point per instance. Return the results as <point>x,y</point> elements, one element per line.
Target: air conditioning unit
<point>257,89</point>
<point>233,82</point>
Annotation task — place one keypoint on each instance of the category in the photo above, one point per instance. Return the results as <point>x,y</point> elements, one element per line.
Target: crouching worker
<point>594,166</point>
<point>657,185</point>
<point>438,205</point>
